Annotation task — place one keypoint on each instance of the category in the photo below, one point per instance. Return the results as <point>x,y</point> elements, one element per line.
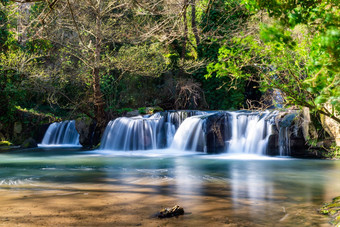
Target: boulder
<point>216,131</point>
<point>29,143</point>
<point>287,120</point>
<point>307,127</point>
<point>85,127</point>
<point>331,126</point>
<point>133,113</point>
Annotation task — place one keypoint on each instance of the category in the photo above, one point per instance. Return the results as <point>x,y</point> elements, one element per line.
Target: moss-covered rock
<point>333,210</point>
<point>5,143</point>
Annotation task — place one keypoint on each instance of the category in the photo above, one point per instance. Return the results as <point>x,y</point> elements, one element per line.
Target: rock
<point>5,143</point>
<point>171,212</point>
<point>216,131</point>
<point>17,127</point>
<point>133,113</point>
<point>152,110</point>
<point>85,127</point>
<point>333,210</point>
<point>29,143</point>
<point>287,120</point>
<point>331,126</point>
<point>308,129</point>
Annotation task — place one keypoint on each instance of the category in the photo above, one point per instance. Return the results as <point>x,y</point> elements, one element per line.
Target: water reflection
<point>261,190</point>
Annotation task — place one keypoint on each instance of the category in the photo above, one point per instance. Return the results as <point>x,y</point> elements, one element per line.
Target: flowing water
<point>61,134</point>
<point>58,186</point>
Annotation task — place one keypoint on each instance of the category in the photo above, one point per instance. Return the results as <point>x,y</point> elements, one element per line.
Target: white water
<point>249,134</point>
<point>242,133</point>
<point>144,133</point>
<point>284,141</point>
<point>190,135</point>
<point>61,134</point>
<point>135,133</point>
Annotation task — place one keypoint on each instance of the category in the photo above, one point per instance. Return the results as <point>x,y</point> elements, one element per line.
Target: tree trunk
<point>193,22</point>
<point>185,37</point>
<point>99,102</point>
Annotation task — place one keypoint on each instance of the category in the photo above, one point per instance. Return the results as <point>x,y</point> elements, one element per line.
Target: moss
<point>333,210</point>
<point>5,143</point>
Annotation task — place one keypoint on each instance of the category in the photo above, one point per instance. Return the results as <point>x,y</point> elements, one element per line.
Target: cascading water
<point>173,121</point>
<point>190,135</point>
<point>284,141</point>
<point>135,133</point>
<point>249,133</point>
<point>218,131</point>
<point>144,133</point>
<point>61,133</point>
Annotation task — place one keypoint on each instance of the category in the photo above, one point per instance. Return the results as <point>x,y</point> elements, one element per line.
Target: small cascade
<point>136,133</point>
<point>190,135</point>
<point>61,133</point>
<point>284,141</point>
<point>249,133</point>
<point>173,121</point>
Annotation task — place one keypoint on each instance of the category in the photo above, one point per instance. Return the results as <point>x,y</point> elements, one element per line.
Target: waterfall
<point>249,133</point>
<point>238,132</point>
<point>61,133</point>
<point>190,135</point>
<point>144,133</point>
<point>136,133</point>
<point>284,141</point>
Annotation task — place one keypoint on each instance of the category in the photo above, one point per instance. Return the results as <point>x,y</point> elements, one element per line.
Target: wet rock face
<point>216,131</point>
<point>85,128</point>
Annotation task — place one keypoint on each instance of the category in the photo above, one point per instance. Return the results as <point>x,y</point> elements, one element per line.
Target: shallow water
<point>213,189</point>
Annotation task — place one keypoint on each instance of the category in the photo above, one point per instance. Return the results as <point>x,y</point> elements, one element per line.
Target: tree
<point>297,52</point>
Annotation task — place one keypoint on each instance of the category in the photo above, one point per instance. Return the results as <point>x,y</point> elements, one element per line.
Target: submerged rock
<point>171,212</point>
<point>333,210</point>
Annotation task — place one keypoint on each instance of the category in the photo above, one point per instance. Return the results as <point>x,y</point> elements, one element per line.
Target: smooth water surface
<point>213,188</point>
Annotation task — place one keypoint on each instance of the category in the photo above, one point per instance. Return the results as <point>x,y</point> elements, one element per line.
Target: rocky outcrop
<point>331,126</point>
<point>216,131</point>
<point>86,127</point>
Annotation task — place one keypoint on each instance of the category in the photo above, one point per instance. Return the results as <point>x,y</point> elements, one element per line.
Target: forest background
<point>65,59</point>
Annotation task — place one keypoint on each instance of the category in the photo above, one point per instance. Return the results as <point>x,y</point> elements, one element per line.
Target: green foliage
<point>123,111</point>
<point>303,46</point>
<point>218,22</point>
<point>297,54</point>
<point>142,110</point>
